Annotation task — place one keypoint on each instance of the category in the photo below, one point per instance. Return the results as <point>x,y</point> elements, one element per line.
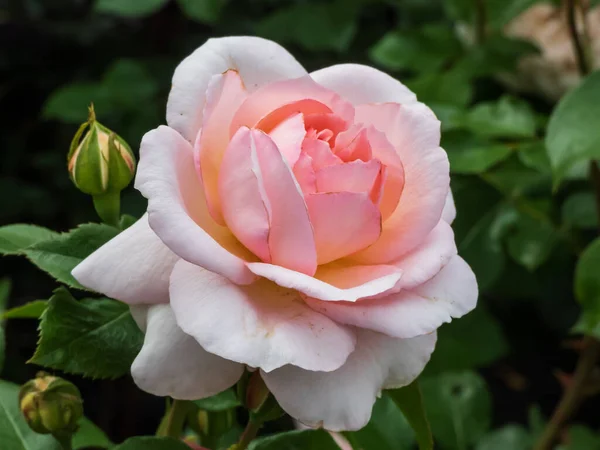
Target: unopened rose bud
<point>101,164</point>
<point>51,405</point>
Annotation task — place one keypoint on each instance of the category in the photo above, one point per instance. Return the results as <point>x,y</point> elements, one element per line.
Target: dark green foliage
<point>94,337</point>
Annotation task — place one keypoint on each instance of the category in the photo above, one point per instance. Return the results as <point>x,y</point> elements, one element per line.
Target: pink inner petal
<point>343,223</point>
<point>225,93</point>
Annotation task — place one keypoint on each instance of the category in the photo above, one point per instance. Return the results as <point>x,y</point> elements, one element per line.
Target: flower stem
<point>577,39</point>
<point>248,435</point>
<point>173,420</point>
<point>575,393</point>
<point>573,396</point>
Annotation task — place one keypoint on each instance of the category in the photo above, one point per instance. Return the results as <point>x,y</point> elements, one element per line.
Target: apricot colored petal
<point>258,61</point>
<point>262,325</point>
<point>343,223</point>
<point>177,210</point>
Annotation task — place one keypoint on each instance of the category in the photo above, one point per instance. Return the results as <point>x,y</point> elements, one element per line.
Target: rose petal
<point>225,94</point>
<point>258,61</point>
<point>393,184</point>
<point>415,133</point>
<point>291,241</point>
<point>406,314</point>
<point>261,325</point>
<point>273,103</point>
<point>172,364</point>
<point>449,212</point>
<point>288,137</point>
<point>425,261</point>
<point>245,203</point>
<point>334,282</point>
<point>177,207</point>
<point>355,176</point>
<point>343,399</point>
<point>363,84</point>
<point>343,223</point>
<point>134,267</point>
<point>305,174</point>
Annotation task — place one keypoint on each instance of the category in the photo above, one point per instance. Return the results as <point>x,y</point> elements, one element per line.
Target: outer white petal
<point>449,211</point>
<point>134,267</point>
<point>408,313</point>
<point>343,399</point>
<point>258,61</point>
<point>177,207</point>
<point>363,84</point>
<point>261,325</point>
<point>171,363</point>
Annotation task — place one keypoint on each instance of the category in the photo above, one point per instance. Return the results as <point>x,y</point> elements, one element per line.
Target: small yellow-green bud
<point>99,160</point>
<point>51,405</point>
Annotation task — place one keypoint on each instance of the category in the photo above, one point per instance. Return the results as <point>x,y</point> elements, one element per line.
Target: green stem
<point>577,40</point>
<point>174,420</point>
<point>248,435</point>
<point>573,395</point>
<point>108,207</point>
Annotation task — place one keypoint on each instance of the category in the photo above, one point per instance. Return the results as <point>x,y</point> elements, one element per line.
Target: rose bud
<point>101,164</point>
<point>51,405</point>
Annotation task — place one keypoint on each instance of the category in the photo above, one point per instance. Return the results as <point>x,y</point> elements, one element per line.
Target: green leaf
<point>96,337</point>
<point>514,179</point>
<point>513,437</point>
<point>587,289</point>
<point>129,84</point>
<point>388,429</point>
<point>129,8</point>
<point>573,134</point>
<point>470,154</point>
<point>14,238</point>
<point>204,11</point>
<point>314,26</point>
<point>579,210</point>
<point>459,408</point>
<point>59,256</point>
<point>580,437</point>
<point>497,54</point>
<point>410,402</point>
<point>506,118</point>
<point>498,12</point>
<point>534,156</point>
<point>31,310</point>
<point>89,435</point>
<point>451,88</point>
<point>5,285</point>
<point>474,341</point>
<point>70,103</point>
<point>423,51</point>
<point>482,249</point>
<point>222,401</point>
<point>15,434</point>
<point>532,240</point>
<point>295,440</point>
<point>152,443</point>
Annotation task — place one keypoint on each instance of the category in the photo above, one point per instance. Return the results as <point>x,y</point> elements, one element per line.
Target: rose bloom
<point>297,224</point>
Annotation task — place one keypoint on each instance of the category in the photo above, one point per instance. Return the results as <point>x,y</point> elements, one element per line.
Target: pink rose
<point>297,223</point>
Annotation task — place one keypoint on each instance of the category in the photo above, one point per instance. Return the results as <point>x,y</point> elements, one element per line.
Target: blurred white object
<point>554,70</point>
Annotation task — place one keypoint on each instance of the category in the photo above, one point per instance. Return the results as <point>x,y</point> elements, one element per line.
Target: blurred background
<point>492,70</point>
